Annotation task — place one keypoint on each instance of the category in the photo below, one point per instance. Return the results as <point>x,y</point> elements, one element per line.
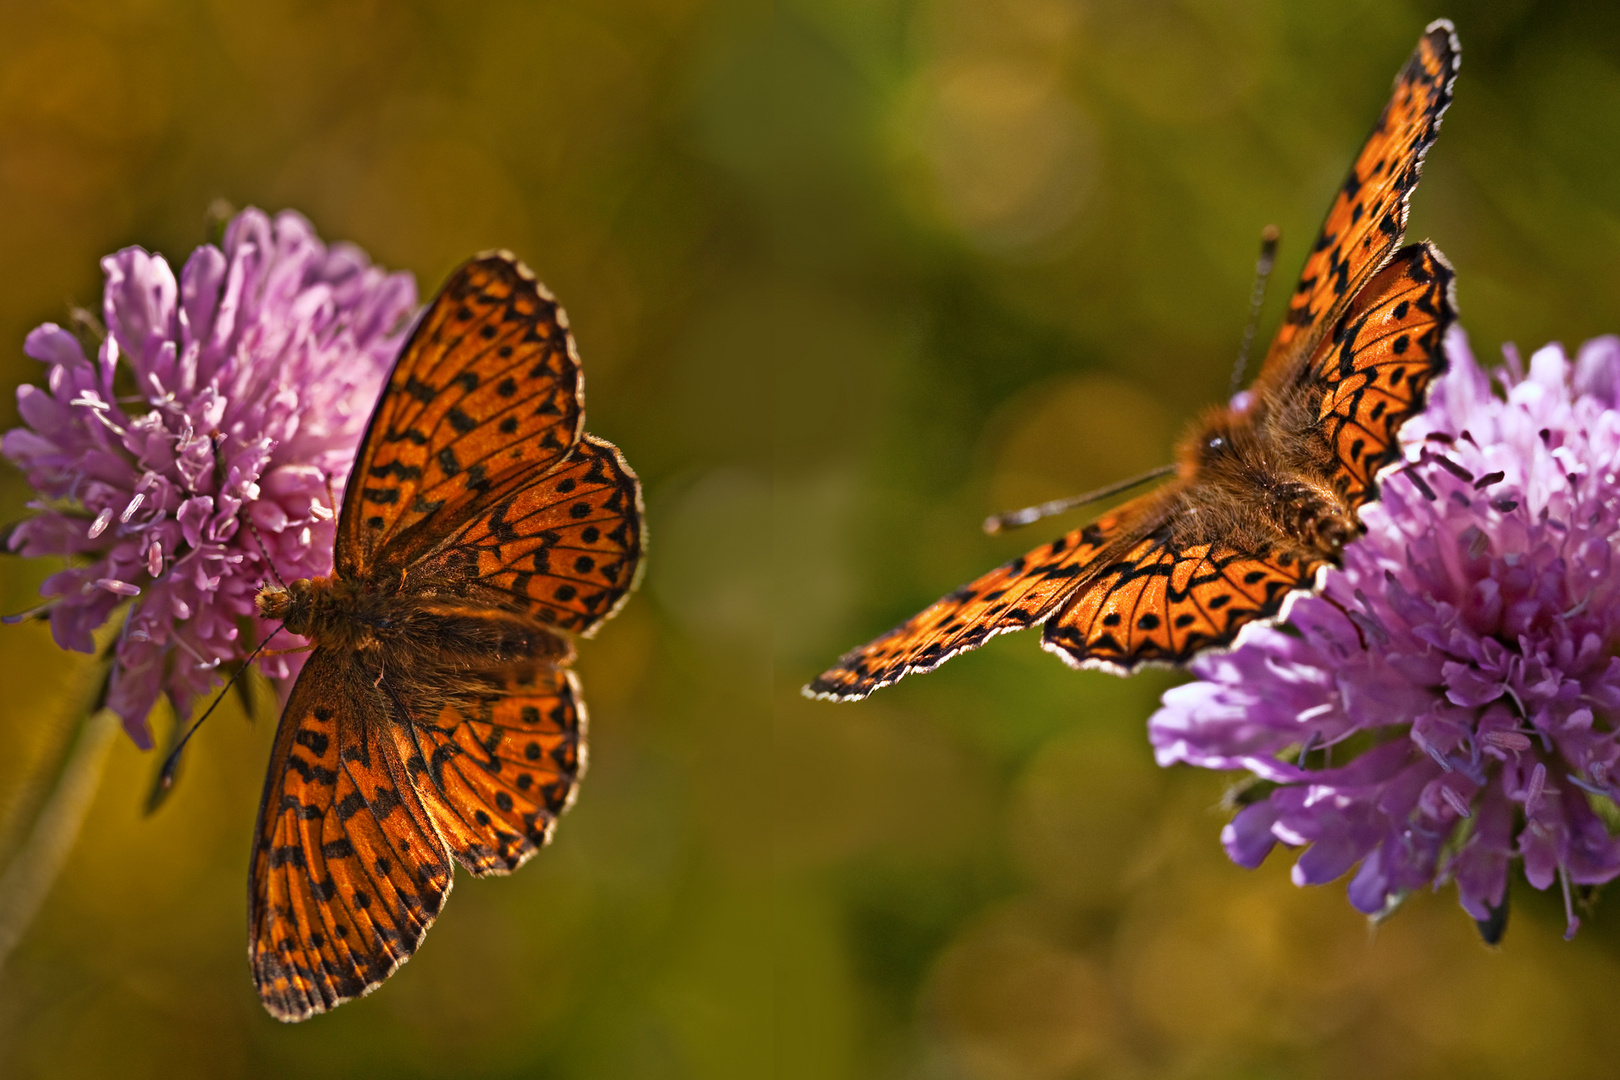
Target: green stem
<point>33,869</point>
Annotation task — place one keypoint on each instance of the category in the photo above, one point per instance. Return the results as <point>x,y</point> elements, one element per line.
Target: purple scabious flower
<point>236,394</point>
<point>1451,705</point>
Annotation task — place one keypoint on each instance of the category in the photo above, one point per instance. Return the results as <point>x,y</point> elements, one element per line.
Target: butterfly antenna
<point>1257,297</point>
<point>171,764</point>
<point>997,523</point>
<point>259,540</point>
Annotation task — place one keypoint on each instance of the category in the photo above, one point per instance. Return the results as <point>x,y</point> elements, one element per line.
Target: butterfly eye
<point>1215,444</point>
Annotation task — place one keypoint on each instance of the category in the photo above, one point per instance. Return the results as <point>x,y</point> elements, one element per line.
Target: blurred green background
<point>846,276</point>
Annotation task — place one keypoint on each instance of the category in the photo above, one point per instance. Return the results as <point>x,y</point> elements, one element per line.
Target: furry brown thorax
<point>1256,483</point>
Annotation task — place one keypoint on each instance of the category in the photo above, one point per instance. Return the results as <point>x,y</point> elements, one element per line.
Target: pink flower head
<point>236,394</point>
<point>1454,709</point>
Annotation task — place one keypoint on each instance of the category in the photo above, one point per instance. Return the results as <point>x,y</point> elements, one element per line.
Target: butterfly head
<point>291,606</point>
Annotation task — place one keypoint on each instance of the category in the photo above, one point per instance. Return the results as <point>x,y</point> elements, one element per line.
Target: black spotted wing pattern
<point>348,871</point>
<point>1374,370</point>
<point>496,767</point>
<point>487,386</point>
<point>1015,595</point>
<point>1161,604</point>
<point>566,548</point>
<point>1369,212</point>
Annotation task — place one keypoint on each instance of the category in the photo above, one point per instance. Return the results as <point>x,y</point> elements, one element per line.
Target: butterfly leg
<point>286,652</point>
<point>1360,636</point>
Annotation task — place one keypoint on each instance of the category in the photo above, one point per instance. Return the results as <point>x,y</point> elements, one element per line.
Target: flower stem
<point>33,869</point>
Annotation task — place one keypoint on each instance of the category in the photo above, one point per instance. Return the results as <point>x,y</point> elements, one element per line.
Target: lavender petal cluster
<point>1450,706</point>
<point>198,456</point>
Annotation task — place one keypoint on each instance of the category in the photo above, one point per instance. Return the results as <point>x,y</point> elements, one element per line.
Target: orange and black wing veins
<point>1158,604</point>
<point>1015,595</point>
<point>348,872</point>
<point>1374,369</point>
<point>497,767</point>
<point>566,548</point>
<point>487,387</point>
<point>1368,216</point>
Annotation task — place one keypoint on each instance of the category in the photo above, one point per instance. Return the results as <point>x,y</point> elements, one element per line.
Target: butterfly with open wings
<point>436,718</point>
<point>1266,490</point>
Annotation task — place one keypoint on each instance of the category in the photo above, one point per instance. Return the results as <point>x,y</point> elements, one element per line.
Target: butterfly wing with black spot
<point>566,547</point>
<point>1374,369</point>
<point>348,871</point>
<point>1015,595</point>
<point>1368,216</point>
<point>496,767</point>
<point>487,388</point>
<point>1160,604</point>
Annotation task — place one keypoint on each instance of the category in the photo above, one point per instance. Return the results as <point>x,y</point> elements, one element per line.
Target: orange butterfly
<point>437,717</point>
<point>1266,491</point>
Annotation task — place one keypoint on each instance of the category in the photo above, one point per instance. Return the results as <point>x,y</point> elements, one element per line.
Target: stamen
<point>1488,479</point>
<point>24,616</point>
<point>1518,702</point>
<point>122,588</point>
<point>1507,740</point>
<point>1455,801</point>
<point>1533,790</point>
<point>1418,482</point>
<point>1447,464</point>
<point>1571,922</point>
<point>129,511</point>
<point>1439,758</point>
<point>99,526</point>
<point>1602,792</point>
<point>202,664</point>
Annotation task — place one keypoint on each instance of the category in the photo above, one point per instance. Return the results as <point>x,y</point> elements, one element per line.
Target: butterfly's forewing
<point>1368,216</point>
<point>348,871</point>
<point>1375,367</point>
<point>487,386</point>
<point>566,548</point>
<point>496,768</point>
<point>1160,604</point>
<point>1015,595</point>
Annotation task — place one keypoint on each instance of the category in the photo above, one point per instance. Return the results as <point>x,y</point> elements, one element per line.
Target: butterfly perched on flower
<point>1266,489</point>
<point>436,720</point>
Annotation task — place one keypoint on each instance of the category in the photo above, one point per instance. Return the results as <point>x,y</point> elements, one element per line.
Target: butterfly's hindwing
<point>566,548</point>
<point>348,872</point>
<point>1369,212</point>
<point>488,384</point>
<point>1375,368</point>
<point>1158,604</point>
<point>495,769</point>
<point>1015,595</point>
